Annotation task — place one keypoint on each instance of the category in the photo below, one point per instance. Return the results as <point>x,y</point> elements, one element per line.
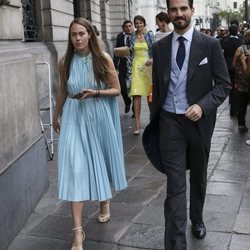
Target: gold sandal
<point>104,217</point>
<point>76,245</point>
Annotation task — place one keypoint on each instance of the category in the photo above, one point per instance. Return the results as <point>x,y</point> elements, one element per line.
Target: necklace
<point>83,55</point>
<point>85,58</point>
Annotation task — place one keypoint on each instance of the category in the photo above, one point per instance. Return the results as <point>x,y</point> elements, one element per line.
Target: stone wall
<point>21,172</point>
<point>11,16</point>
<point>57,16</point>
<point>24,90</point>
<point>19,108</point>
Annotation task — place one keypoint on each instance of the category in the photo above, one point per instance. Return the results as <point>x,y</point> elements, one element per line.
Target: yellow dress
<point>141,78</point>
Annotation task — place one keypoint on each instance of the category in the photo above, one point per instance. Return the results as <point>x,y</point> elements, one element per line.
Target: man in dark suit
<point>190,80</point>
<point>121,62</point>
<point>229,47</point>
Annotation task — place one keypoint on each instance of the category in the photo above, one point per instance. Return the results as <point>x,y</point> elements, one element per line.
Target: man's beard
<point>183,25</point>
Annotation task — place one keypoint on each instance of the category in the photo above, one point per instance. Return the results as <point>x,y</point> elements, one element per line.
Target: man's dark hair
<point>233,30</point>
<point>125,22</point>
<point>234,21</point>
<point>190,3</point>
<point>163,17</point>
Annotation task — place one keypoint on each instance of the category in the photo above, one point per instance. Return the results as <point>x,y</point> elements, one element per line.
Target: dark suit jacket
<point>120,62</point>
<point>208,85</point>
<point>229,47</point>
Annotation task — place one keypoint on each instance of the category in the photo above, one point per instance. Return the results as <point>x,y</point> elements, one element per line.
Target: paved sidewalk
<point>137,221</point>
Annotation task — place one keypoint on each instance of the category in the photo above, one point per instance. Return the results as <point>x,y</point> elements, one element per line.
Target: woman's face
<point>139,25</point>
<point>209,33</point>
<point>160,24</point>
<point>80,38</point>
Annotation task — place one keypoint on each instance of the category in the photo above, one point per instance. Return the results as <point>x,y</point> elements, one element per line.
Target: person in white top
<point>163,22</point>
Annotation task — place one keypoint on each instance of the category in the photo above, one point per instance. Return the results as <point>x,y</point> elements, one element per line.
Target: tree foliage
<point>232,15</point>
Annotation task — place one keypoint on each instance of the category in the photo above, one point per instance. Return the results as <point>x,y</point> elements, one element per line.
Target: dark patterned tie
<point>127,41</point>
<point>180,56</point>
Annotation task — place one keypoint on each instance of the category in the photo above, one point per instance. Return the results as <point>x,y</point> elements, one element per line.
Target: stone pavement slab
<point>240,242</point>
<point>137,219</point>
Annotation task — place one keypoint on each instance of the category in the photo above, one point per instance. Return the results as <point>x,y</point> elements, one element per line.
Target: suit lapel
<point>165,46</point>
<point>196,51</point>
<point>122,41</point>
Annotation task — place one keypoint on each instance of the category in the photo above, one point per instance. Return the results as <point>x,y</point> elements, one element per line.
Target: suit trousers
<point>124,90</point>
<point>182,147</point>
<point>242,110</point>
<point>233,95</point>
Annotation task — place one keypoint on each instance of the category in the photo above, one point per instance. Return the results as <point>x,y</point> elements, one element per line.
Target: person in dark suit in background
<point>236,22</point>
<point>190,80</point>
<point>121,62</point>
<point>229,47</point>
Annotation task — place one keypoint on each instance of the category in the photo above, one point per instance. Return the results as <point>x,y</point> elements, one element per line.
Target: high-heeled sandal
<point>137,129</point>
<point>104,217</point>
<point>78,242</point>
<point>136,132</point>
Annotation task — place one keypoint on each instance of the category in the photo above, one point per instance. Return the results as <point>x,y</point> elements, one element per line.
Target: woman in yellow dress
<point>140,66</point>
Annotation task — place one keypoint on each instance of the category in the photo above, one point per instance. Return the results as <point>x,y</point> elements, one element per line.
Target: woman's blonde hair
<point>100,62</point>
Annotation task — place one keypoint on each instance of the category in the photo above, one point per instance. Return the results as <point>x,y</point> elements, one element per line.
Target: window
<point>29,20</point>
<point>235,5</point>
<point>77,9</point>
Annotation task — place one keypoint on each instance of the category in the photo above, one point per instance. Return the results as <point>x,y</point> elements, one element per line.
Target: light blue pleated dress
<point>90,150</point>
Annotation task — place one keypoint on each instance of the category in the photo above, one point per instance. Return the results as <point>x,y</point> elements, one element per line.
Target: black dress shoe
<point>127,108</point>
<point>243,129</point>
<point>199,230</point>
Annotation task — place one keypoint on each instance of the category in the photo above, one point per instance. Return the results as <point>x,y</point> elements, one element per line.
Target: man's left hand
<point>194,112</point>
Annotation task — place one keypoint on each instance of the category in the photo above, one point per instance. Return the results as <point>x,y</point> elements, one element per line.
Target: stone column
<point>11,16</point>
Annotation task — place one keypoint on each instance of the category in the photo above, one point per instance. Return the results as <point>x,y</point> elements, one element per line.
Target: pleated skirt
<point>90,150</point>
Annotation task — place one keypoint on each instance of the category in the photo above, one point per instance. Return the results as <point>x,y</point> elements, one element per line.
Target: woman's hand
<point>244,60</point>
<point>149,62</point>
<point>87,93</point>
<point>56,125</point>
<point>243,57</point>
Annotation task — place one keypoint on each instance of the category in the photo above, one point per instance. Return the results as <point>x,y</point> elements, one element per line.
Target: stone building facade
<point>32,32</point>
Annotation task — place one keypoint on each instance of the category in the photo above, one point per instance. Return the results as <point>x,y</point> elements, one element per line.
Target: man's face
<point>128,28</point>
<point>180,14</point>
<point>222,32</point>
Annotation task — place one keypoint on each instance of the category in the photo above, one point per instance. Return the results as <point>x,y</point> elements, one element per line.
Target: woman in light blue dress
<point>90,151</point>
